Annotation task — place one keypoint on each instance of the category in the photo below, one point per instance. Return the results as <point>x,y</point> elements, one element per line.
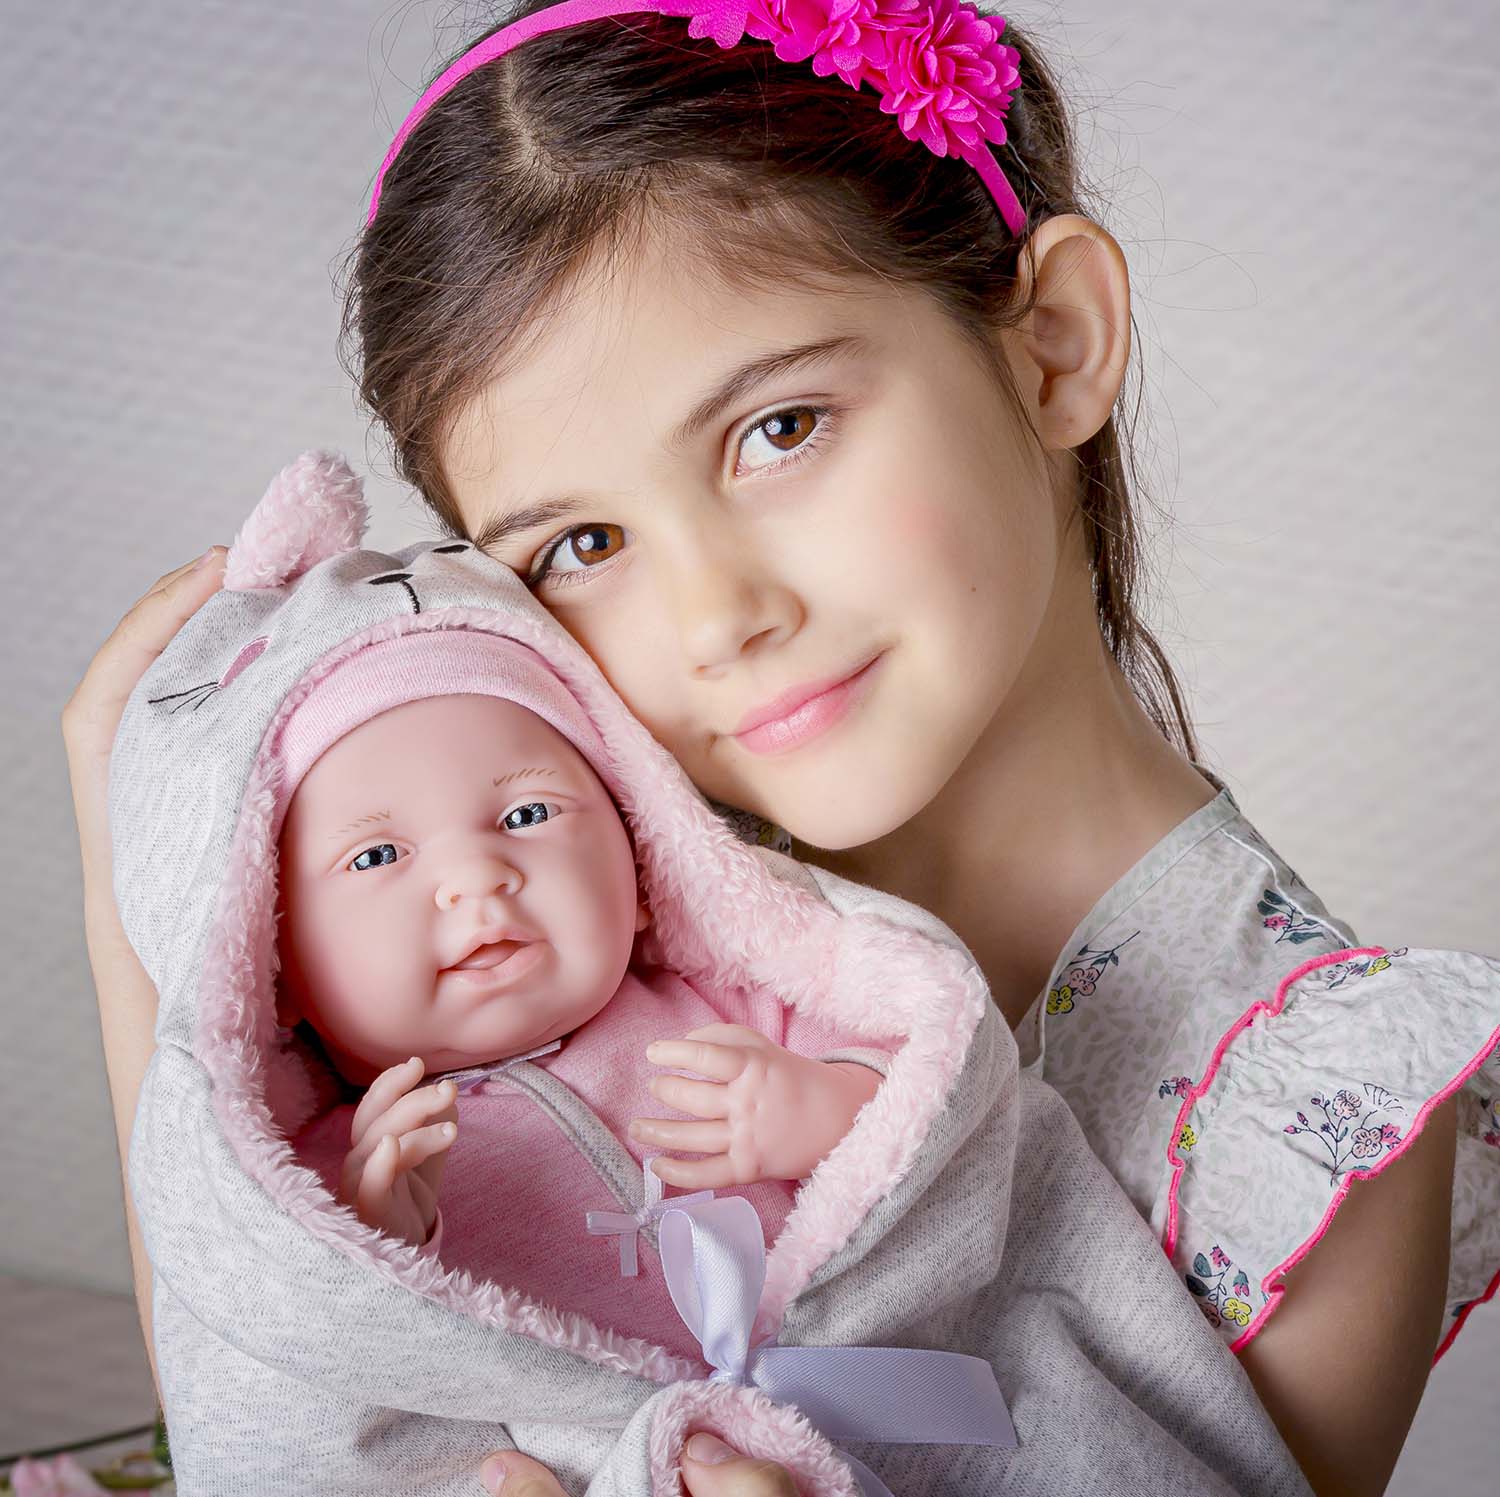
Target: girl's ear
<point>313,509</point>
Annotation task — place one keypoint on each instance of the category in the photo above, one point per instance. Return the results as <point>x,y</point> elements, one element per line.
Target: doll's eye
<point>533,813</point>
<point>374,857</point>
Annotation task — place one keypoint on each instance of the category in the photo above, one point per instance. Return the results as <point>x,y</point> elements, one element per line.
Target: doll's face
<point>435,839</point>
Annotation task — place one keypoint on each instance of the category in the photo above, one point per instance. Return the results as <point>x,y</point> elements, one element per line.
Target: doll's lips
<point>491,955</point>
<point>498,965</point>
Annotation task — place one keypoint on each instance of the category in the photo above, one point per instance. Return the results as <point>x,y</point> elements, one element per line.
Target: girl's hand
<point>768,1114</point>
<point>709,1469</point>
<point>400,1144</point>
<point>127,997</point>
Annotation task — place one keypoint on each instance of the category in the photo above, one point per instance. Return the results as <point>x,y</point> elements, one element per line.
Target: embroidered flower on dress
<point>1175,1086</point>
<point>1289,923</point>
<point>1236,1310</point>
<point>1220,1301</point>
<point>1187,1138</point>
<point>1087,967</point>
<point>1345,1140</point>
<point>1336,974</point>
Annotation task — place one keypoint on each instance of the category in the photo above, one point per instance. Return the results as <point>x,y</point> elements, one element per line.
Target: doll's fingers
<point>412,1110</point>
<point>704,1099</point>
<point>717,1062</point>
<point>740,1035</point>
<point>384,1090</point>
<point>696,1174</point>
<point>692,1138</point>
<point>423,1143</point>
<point>373,1193</point>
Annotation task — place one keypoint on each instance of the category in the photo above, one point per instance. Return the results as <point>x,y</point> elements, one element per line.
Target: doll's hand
<point>400,1144</point>
<point>767,1114</point>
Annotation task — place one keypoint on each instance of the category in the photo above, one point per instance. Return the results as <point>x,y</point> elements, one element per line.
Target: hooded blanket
<point>963,1213</point>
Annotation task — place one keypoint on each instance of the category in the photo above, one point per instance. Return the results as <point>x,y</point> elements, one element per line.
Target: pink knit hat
<point>418,664</point>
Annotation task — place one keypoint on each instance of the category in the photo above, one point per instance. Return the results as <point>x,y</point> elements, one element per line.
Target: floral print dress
<point>1237,1058</point>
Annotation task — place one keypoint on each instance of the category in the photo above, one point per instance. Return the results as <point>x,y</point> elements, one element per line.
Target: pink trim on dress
<point>1270,1282</point>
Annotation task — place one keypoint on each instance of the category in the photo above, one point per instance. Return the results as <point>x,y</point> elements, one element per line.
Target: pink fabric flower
<point>1220,1260</point>
<point>1366,1143</point>
<point>939,65</point>
<point>1390,1134</point>
<point>62,1476</point>
<point>1275,922</point>
<point>1346,1104</point>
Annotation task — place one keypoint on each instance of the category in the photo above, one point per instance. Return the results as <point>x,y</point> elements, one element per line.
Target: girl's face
<point>869,506</point>
<point>456,883</point>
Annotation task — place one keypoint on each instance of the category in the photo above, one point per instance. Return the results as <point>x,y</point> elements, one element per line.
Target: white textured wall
<point>1307,196</point>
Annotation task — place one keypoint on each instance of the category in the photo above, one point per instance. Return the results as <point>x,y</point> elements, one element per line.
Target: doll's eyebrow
<point>355,825</point>
<point>518,774</point>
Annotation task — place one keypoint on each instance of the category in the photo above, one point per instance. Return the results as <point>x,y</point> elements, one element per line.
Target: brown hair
<point>517,178</point>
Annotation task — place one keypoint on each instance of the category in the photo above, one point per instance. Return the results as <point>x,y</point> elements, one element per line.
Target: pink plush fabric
<point>516,1187</point>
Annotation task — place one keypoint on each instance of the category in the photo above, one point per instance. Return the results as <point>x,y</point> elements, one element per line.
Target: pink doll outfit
<point>518,1191</point>
<point>959,1299</point>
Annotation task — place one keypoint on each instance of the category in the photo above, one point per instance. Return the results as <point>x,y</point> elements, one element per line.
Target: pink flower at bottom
<point>62,1476</point>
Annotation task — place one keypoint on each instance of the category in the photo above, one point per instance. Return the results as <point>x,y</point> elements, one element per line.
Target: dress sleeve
<point>1320,1083</point>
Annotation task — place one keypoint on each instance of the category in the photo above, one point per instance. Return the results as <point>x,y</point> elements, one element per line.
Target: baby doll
<point>458,891</point>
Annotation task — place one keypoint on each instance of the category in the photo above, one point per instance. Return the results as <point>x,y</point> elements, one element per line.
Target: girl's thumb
<point>515,1475</point>
<point>711,1469</point>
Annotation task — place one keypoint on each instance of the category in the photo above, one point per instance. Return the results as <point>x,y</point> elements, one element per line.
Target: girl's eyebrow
<point>736,384</point>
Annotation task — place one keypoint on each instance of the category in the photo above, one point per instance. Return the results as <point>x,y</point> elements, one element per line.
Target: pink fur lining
<point>718,911</point>
<point>1272,1281</point>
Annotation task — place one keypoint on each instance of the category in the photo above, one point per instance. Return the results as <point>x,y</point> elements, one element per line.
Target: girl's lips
<point>814,716</point>
<point>497,966</point>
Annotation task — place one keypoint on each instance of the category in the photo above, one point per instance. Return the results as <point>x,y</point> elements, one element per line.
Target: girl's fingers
<point>136,641</point>
<point>696,1174</point>
<point>711,1469</point>
<point>704,1099</point>
<point>717,1062</point>
<point>390,1084</point>
<point>521,1476</point>
<point>692,1138</point>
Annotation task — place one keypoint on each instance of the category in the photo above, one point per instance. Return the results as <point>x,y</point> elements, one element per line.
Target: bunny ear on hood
<point>246,1237</point>
<point>313,509</point>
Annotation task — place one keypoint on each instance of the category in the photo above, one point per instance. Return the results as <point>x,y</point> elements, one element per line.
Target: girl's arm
<point>127,997</point>
<point>1342,1363</point>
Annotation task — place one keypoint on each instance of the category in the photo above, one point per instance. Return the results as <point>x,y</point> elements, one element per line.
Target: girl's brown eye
<point>591,544</point>
<point>793,432</point>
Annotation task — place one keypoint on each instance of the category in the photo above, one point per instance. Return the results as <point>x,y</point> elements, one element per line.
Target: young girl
<point>805,433</point>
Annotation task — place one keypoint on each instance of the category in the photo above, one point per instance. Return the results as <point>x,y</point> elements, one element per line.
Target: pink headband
<point>938,64</point>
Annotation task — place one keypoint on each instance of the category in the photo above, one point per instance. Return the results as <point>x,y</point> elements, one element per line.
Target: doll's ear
<point>288,1011</point>
<point>642,916</point>
<point>313,509</point>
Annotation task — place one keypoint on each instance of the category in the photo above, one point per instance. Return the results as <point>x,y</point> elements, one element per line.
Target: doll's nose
<point>475,877</point>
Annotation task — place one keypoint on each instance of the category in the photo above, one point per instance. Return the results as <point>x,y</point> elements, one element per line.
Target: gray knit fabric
<point>291,1364</point>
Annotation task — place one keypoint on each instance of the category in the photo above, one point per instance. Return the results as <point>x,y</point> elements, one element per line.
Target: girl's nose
<point>474,877</point>
<point>725,604</point>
